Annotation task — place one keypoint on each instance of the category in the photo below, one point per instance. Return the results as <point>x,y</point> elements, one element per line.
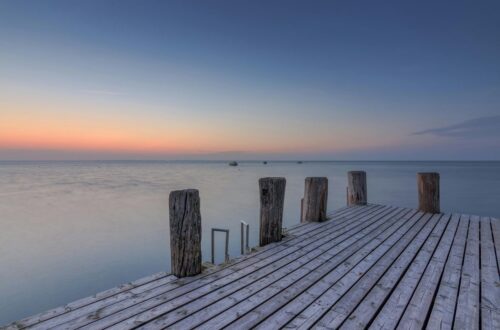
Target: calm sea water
<point>71,229</point>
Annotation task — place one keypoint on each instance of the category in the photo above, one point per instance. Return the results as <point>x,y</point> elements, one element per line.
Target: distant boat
<point>264,162</point>
<point>233,163</point>
<point>299,162</point>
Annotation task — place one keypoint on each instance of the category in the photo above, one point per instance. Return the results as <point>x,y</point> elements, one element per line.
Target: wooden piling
<point>356,188</point>
<point>272,198</point>
<point>185,232</point>
<point>428,192</point>
<point>315,200</point>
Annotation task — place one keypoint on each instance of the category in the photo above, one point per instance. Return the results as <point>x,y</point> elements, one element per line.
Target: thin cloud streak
<point>483,127</point>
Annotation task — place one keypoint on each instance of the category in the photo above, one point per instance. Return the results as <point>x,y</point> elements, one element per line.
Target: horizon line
<point>245,160</point>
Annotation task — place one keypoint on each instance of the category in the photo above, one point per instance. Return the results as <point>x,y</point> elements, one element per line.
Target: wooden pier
<point>368,266</point>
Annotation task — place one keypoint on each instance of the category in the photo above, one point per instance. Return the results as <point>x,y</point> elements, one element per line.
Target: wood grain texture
<point>272,199</point>
<point>90,304</point>
<point>363,315</point>
<point>356,188</point>
<point>184,290</point>
<point>185,232</point>
<point>266,302</point>
<point>236,281</point>
<point>495,231</point>
<point>341,310</point>
<point>389,315</point>
<point>372,266</point>
<point>490,281</point>
<point>443,309</point>
<point>428,192</point>
<point>315,199</point>
<point>421,302</point>
<point>468,304</point>
<point>260,288</point>
<point>327,291</point>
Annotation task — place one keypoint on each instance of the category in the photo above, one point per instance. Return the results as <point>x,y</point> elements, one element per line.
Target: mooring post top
<point>428,174</point>
<point>272,178</point>
<point>319,178</point>
<point>188,191</point>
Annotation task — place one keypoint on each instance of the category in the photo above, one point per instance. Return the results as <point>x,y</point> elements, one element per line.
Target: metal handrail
<point>244,245</point>
<point>226,252</point>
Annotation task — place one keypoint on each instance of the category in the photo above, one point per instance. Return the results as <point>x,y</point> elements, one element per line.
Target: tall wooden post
<point>315,200</point>
<point>185,232</point>
<point>356,188</point>
<point>272,199</point>
<point>428,192</point>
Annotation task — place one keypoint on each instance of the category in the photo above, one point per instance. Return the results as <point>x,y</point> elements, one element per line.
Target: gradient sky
<point>374,80</point>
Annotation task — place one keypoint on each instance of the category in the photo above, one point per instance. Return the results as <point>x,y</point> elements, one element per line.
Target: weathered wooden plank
<point>354,215</point>
<point>341,310</point>
<point>337,220</point>
<point>340,242</point>
<point>443,310</point>
<point>393,309</point>
<point>278,296</point>
<point>90,310</point>
<point>468,305</point>
<point>197,280</point>
<point>308,231</point>
<point>339,217</point>
<point>122,310</point>
<point>271,284</point>
<point>147,280</point>
<point>332,286</point>
<point>335,213</point>
<point>337,223</point>
<point>351,212</point>
<point>370,266</point>
<point>421,302</point>
<point>363,315</point>
<point>101,295</point>
<point>495,228</point>
<point>315,228</point>
<point>490,282</point>
<point>304,227</point>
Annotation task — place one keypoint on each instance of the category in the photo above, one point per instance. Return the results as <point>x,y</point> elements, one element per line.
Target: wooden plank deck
<point>374,266</point>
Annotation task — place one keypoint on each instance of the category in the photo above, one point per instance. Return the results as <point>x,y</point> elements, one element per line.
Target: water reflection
<point>70,229</point>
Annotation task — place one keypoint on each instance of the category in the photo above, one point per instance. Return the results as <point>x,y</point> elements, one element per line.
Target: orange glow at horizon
<point>52,126</point>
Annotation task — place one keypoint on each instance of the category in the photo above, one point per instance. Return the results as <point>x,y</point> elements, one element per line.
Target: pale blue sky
<point>310,79</point>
